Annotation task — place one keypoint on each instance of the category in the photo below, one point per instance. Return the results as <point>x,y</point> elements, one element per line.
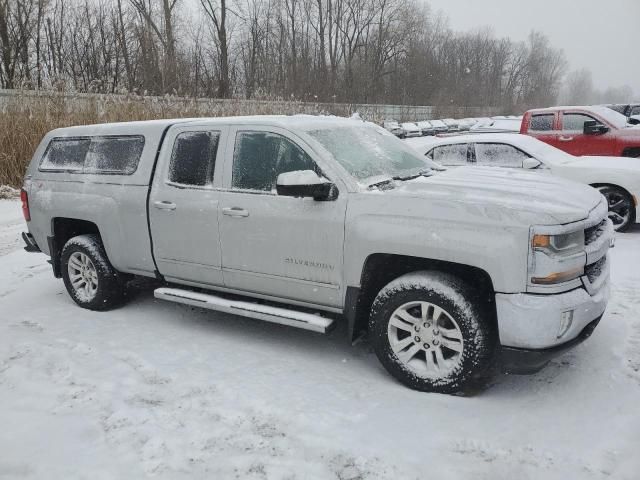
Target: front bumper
<point>535,322</point>
<point>522,361</point>
<point>535,328</point>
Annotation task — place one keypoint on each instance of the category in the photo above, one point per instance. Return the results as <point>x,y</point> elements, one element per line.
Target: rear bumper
<point>522,361</point>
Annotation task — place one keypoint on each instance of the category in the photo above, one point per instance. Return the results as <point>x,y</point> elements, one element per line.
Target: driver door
<point>285,247</point>
<point>577,143</point>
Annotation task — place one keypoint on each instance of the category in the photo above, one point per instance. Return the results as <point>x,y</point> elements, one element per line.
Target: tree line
<point>353,51</point>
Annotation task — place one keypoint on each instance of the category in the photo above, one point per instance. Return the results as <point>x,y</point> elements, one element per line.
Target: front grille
<point>594,270</point>
<point>592,234</point>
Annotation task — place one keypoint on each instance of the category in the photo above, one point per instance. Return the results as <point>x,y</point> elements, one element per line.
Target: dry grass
<point>25,118</point>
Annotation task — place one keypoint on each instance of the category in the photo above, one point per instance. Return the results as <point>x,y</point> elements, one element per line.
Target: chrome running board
<point>284,316</point>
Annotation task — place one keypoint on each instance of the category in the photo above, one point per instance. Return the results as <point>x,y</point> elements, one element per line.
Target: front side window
<point>451,155</point>
<point>574,122</point>
<point>66,154</point>
<point>542,123</point>
<point>193,159</point>
<point>499,155</point>
<point>259,157</point>
<point>635,110</point>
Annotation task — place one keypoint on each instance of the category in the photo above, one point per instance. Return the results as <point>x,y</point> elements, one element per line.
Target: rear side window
<point>542,123</point>
<point>65,155</point>
<point>117,155</point>
<point>112,154</point>
<point>193,159</point>
<point>451,154</point>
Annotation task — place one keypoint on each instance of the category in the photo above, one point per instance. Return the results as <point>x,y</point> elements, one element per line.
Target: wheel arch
<point>634,200</point>
<point>606,184</point>
<point>380,268</point>
<point>633,152</point>
<point>62,230</point>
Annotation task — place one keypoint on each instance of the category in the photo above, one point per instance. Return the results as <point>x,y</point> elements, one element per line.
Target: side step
<point>284,316</point>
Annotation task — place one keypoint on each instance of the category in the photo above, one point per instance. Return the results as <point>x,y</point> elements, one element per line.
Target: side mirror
<point>594,128</point>
<point>634,120</point>
<point>306,183</point>
<point>531,163</point>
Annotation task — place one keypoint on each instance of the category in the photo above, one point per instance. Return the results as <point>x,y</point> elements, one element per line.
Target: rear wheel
<point>88,275</point>
<point>622,210</point>
<point>429,333</point>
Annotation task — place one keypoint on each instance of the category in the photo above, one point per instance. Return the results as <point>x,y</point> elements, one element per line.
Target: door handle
<point>565,139</point>
<point>164,205</point>
<point>235,212</point>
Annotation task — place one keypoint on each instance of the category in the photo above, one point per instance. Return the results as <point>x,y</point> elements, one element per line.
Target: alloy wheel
<point>426,339</point>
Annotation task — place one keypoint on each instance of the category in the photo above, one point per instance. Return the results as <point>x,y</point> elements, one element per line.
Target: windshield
<point>541,150</point>
<point>614,118</point>
<point>368,152</point>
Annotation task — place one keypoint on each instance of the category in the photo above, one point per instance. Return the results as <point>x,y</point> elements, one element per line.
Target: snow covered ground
<point>166,391</point>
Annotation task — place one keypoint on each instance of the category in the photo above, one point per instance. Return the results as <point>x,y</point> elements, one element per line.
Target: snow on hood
<point>617,163</point>
<point>543,197</point>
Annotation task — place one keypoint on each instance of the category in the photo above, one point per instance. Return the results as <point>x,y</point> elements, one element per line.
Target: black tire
<point>472,364</point>
<point>110,286</point>
<point>622,210</point>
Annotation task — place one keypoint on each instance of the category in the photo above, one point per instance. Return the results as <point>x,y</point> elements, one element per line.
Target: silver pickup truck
<point>306,221</point>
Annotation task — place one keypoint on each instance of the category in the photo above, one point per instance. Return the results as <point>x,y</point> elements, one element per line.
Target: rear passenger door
<point>183,206</point>
<point>544,127</point>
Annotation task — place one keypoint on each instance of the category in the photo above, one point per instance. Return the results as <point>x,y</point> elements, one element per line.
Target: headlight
<point>559,244</point>
<point>556,258</point>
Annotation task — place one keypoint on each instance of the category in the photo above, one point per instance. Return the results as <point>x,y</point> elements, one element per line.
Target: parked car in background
<point>394,127</point>
<point>626,109</point>
<point>466,123</point>
<point>595,130</point>
<point>439,126</point>
<point>498,124</point>
<point>448,274</point>
<point>452,125</point>
<point>411,129</point>
<point>426,128</point>
<point>617,178</point>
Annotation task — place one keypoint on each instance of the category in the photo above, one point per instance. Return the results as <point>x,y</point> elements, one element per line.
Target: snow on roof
<point>303,122</point>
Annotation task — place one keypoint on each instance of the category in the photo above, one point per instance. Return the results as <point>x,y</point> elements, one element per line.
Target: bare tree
<point>216,12</point>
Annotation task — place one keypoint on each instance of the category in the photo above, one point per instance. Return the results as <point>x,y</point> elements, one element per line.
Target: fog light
<point>566,319</point>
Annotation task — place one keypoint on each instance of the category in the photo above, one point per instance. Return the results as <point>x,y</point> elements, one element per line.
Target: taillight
<point>25,205</point>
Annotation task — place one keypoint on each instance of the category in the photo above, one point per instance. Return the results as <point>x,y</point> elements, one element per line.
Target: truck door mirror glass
<point>594,128</point>
<point>531,163</point>
<point>306,183</point>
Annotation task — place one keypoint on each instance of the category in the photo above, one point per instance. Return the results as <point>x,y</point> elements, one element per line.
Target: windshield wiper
<point>422,173</point>
<point>382,184</point>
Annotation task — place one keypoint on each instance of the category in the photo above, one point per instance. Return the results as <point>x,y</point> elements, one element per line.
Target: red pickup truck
<point>579,131</point>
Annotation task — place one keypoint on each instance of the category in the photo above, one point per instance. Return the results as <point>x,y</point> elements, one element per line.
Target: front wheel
<point>429,332</point>
<point>622,210</point>
<point>90,278</point>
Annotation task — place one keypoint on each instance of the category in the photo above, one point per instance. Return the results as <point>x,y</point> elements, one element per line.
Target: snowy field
<point>166,391</point>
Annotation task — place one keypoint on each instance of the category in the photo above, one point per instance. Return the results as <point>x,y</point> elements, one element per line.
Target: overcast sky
<point>602,35</point>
